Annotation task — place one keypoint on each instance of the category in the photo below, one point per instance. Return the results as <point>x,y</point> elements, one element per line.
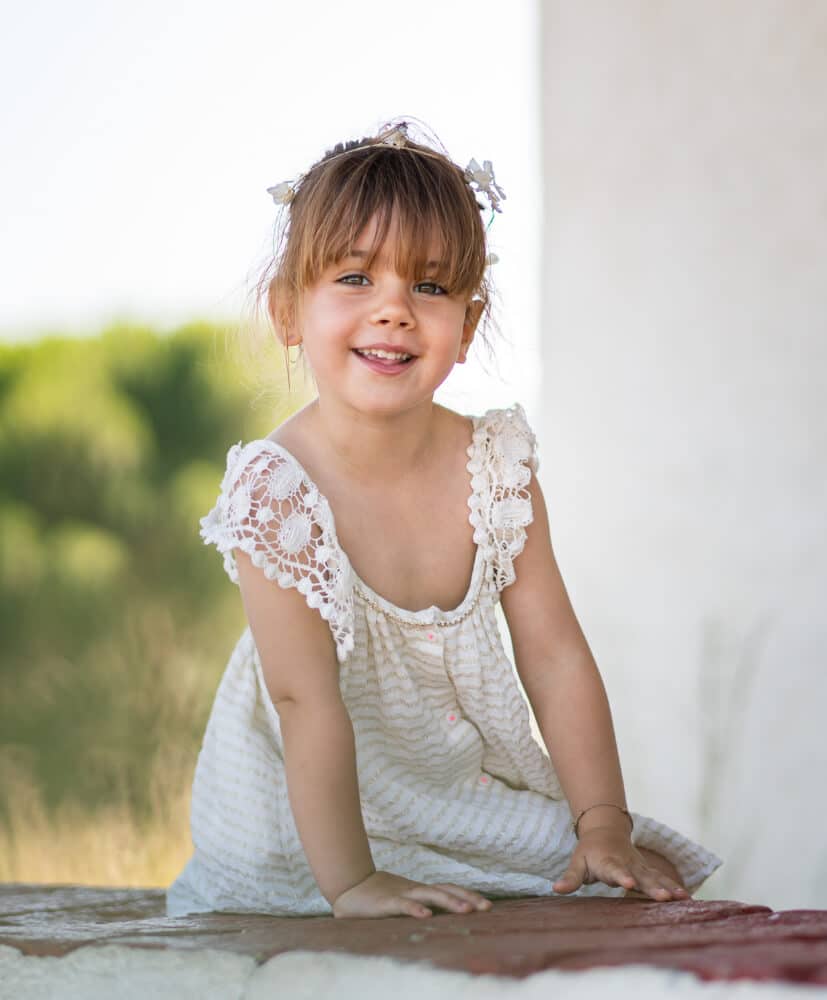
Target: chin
<point>389,407</point>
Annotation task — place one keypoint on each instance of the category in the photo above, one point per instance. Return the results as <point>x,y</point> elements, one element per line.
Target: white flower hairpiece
<point>483,177</point>
<point>479,177</point>
<point>282,193</point>
<point>396,135</point>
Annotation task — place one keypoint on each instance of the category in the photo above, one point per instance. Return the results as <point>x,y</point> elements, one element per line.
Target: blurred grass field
<point>109,845</point>
<point>116,620</point>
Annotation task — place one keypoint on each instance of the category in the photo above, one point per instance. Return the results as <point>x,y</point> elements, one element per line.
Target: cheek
<point>327,314</point>
<point>327,329</point>
<point>452,325</point>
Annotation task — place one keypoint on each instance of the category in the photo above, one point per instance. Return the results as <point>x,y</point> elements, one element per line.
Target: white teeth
<point>383,354</point>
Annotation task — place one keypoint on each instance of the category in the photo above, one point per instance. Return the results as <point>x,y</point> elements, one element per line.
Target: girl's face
<point>352,311</point>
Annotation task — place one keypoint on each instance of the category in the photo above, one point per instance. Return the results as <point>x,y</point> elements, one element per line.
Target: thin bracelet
<point>612,804</point>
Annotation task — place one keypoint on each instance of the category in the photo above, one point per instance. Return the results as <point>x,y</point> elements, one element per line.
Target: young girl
<point>369,751</point>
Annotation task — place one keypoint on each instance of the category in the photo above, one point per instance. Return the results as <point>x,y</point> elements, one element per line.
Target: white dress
<point>454,786</point>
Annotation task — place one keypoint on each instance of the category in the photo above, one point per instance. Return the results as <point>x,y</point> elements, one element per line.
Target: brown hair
<point>415,185</point>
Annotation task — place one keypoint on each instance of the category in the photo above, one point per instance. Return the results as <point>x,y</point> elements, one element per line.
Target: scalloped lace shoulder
<point>503,456</point>
<point>269,508</point>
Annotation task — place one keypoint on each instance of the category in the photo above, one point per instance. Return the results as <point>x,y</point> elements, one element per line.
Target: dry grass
<point>110,847</point>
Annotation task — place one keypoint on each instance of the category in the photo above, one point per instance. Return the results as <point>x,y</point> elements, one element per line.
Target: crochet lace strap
<point>269,508</point>
<point>503,456</point>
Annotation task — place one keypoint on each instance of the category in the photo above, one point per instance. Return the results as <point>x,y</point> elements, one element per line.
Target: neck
<point>375,449</point>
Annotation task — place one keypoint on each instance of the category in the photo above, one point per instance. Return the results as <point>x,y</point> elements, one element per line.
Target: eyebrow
<point>364,253</point>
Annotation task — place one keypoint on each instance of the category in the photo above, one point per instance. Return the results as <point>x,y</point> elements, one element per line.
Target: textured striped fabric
<point>453,785</point>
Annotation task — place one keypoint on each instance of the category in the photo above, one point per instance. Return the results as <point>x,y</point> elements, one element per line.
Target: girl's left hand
<point>606,855</point>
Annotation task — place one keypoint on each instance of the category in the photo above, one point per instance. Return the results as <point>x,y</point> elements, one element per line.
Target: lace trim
<point>502,457</point>
<point>270,509</point>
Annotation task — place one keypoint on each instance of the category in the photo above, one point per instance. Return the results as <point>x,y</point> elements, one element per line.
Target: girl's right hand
<point>383,894</point>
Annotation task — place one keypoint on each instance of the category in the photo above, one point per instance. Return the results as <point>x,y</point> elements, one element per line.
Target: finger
<point>672,886</point>
<point>461,903</point>
<point>468,895</point>
<point>439,897</point>
<point>661,887</point>
<point>572,878</point>
<point>405,905</point>
<point>620,875</point>
<point>654,883</point>
<point>613,871</point>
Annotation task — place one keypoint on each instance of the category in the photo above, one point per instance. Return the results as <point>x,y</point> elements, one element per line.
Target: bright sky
<point>139,140</point>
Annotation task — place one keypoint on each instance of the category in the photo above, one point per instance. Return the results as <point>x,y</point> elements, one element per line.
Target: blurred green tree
<point>115,619</point>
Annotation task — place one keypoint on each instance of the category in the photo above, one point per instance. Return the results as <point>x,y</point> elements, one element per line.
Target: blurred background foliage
<point>115,619</point>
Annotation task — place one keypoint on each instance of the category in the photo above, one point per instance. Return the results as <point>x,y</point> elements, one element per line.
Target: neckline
<point>424,616</point>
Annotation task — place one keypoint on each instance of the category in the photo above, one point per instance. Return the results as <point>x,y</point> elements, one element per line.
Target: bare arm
<point>298,659</point>
<point>569,700</point>
<point>561,679</point>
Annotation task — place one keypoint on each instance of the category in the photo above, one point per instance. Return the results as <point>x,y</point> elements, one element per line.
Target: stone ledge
<point>517,938</point>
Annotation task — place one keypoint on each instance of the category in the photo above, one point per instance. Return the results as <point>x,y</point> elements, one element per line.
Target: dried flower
<point>282,193</point>
<point>396,137</point>
<point>483,177</point>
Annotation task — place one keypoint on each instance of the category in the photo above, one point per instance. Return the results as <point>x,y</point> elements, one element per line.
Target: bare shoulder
<point>459,420</point>
<point>455,428</point>
<point>294,433</point>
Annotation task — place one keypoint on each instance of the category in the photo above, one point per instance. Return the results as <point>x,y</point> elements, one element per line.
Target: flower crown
<point>479,177</point>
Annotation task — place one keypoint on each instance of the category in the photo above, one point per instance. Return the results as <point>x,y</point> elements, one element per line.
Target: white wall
<point>683,429</point>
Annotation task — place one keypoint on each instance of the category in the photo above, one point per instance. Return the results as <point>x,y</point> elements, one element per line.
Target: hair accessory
<point>397,136</point>
<point>612,804</point>
<point>483,177</point>
<point>479,177</point>
<point>282,193</point>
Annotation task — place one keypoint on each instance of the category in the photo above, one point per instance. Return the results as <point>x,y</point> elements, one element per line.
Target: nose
<point>393,308</point>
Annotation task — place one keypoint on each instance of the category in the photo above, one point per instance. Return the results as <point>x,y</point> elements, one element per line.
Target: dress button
<point>452,717</point>
<point>484,779</point>
<point>431,636</point>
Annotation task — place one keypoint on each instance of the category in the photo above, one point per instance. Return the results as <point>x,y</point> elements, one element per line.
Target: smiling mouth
<point>387,363</point>
<point>382,362</point>
<point>395,357</point>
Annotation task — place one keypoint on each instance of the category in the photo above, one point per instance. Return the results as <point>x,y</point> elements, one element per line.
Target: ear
<point>473,312</point>
<point>281,310</point>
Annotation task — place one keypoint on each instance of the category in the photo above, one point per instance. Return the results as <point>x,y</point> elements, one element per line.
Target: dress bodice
<point>270,508</point>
